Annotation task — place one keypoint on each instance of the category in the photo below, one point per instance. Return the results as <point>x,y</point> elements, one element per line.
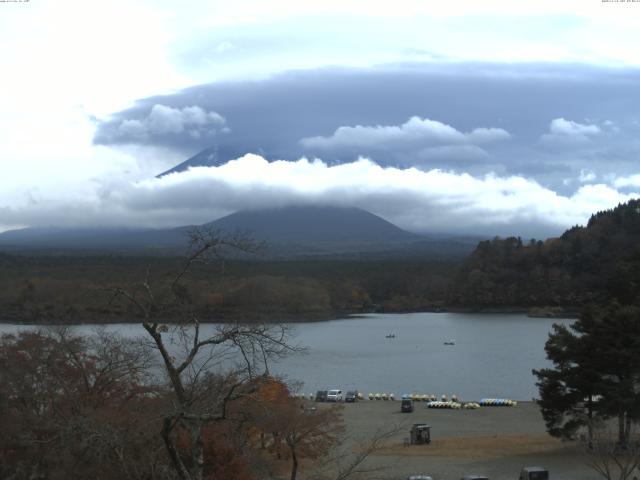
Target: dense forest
<point>590,264</point>
<point>594,263</point>
<point>53,289</point>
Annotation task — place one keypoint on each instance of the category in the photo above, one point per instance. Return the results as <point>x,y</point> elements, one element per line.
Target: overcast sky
<point>492,117</point>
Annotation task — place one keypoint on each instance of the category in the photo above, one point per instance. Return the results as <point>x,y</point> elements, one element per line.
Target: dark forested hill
<point>312,225</point>
<point>592,263</point>
<point>290,232</point>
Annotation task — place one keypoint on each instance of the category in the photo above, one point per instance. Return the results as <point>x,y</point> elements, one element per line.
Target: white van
<point>334,396</point>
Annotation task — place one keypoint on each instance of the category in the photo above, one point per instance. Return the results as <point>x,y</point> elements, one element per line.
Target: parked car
<point>351,396</point>
<point>406,405</point>
<point>474,477</point>
<point>534,473</point>
<point>321,396</point>
<point>334,396</point>
<point>419,477</point>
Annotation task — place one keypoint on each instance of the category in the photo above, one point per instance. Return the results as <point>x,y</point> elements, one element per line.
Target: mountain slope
<point>209,157</point>
<point>301,226</point>
<point>299,231</point>
<point>313,225</point>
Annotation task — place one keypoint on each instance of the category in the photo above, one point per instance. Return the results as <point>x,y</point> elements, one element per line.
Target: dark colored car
<point>406,406</point>
<point>321,396</point>
<point>474,477</point>
<point>534,473</point>
<point>351,396</point>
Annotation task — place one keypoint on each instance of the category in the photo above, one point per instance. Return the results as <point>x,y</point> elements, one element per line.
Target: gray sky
<point>492,117</point>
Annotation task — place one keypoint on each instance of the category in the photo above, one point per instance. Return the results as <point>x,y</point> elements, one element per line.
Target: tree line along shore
<point>552,278</point>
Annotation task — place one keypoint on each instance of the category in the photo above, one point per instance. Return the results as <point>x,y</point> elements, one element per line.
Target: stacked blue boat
<point>497,402</point>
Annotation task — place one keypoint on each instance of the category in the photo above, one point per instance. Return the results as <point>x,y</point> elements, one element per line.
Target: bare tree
<point>354,463</point>
<point>209,371</point>
<point>611,459</point>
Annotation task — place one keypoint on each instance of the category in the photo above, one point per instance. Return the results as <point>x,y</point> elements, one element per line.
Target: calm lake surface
<point>492,357</point>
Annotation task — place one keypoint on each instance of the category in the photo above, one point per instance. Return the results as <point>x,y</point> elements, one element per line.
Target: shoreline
<point>531,312</point>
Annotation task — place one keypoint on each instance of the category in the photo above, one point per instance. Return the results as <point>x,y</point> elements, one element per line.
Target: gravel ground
<point>492,441</point>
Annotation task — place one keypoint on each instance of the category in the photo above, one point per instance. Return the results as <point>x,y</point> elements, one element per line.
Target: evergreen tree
<point>569,390</point>
<point>596,373</point>
<point>615,331</point>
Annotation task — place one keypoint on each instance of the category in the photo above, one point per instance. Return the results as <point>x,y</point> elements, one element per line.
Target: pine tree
<point>596,373</point>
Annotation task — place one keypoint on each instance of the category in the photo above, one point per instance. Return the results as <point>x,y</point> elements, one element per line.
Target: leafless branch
<point>609,459</point>
<point>348,465</point>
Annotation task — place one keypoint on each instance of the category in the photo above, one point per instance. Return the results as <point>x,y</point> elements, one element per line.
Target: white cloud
<point>414,133</point>
<point>560,126</point>
<point>163,120</point>
<point>568,132</point>
<point>117,53</point>
<point>586,176</point>
<point>414,199</point>
<point>628,181</point>
<point>247,11</point>
<point>62,65</point>
<point>487,135</point>
<point>358,33</point>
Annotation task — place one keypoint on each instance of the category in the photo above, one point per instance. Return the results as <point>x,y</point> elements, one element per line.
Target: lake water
<point>492,357</point>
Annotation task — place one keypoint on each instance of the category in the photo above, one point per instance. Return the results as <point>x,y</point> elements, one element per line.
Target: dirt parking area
<point>492,441</point>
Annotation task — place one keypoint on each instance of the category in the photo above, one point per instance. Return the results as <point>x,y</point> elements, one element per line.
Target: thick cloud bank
<point>414,142</point>
<point>163,121</point>
<point>420,201</point>
<point>542,121</point>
